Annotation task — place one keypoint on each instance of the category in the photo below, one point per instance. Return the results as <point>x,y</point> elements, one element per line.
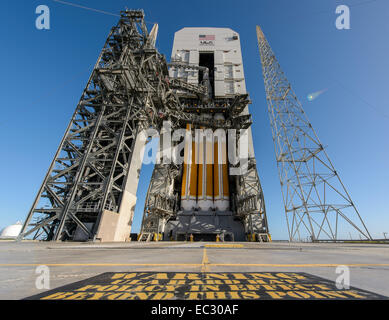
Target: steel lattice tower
<point>316,202</point>
<point>95,171</point>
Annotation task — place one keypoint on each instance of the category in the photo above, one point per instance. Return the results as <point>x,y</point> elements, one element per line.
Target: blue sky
<point>44,73</point>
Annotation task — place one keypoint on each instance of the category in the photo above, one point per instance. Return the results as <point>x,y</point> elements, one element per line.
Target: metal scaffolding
<point>88,172</point>
<point>316,202</point>
<point>98,160</point>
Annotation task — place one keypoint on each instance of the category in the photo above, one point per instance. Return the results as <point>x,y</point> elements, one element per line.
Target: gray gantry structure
<point>316,202</point>
<point>89,191</point>
<point>213,200</point>
<point>93,166</point>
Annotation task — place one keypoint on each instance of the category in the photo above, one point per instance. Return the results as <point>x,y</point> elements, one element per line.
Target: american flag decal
<point>206,37</point>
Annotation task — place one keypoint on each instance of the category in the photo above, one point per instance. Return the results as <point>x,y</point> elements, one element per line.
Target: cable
<point>350,5</point>
<point>377,110</point>
<point>361,3</point>
<point>362,99</point>
<point>300,15</point>
<point>92,9</point>
<point>87,8</point>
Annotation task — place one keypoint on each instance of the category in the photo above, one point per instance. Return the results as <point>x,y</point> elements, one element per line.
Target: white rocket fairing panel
<point>225,44</point>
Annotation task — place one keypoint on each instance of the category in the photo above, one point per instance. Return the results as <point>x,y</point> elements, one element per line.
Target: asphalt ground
<point>72,262</point>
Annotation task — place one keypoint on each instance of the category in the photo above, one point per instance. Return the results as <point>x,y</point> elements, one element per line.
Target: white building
<point>12,231</point>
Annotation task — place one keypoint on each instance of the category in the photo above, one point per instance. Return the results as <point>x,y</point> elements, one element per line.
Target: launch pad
<point>205,184</point>
<point>204,233</point>
<point>70,263</point>
<point>207,209</point>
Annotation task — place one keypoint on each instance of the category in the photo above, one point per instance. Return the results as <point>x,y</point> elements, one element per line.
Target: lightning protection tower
<point>316,202</point>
